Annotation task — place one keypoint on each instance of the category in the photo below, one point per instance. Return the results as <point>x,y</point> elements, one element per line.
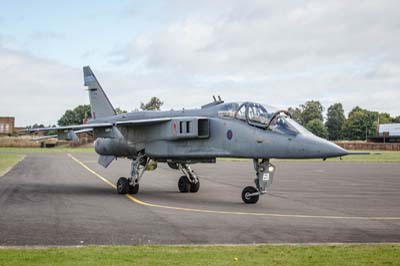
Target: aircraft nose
<point>316,147</point>
<point>330,149</point>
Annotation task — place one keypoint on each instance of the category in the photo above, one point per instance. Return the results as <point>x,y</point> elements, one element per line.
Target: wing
<point>139,122</point>
<point>67,132</point>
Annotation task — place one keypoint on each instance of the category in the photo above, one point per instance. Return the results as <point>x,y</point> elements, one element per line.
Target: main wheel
<point>246,195</point>
<point>195,187</point>
<point>184,184</point>
<point>123,185</point>
<point>134,189</point>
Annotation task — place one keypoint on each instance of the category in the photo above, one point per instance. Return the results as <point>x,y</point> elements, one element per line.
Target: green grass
<point>8,160</point>
<point>375,156</point>
<point>385,254</point>
<point>60,149</point>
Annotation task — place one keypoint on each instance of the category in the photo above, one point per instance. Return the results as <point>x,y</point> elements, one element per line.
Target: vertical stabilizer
<point>99,103</point>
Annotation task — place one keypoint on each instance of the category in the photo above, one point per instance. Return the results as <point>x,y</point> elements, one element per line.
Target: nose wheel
<point>250,195</point>
<point>264,176</point>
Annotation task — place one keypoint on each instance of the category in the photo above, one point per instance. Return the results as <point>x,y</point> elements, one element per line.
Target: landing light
<point>271,169</point>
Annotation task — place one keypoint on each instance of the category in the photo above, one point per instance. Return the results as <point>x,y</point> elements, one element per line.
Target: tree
<point>385,118</point>
<point>75,116</point>
<point>306,112</point>
<point>360,124</point>
<point>37,126</point>
<point>153,104</point>
<point>311,110</point>
<point>296,114</point>
<point>335,121</point>
<point>396,119</point>
<point>317,127</point>
<point>120,111</point>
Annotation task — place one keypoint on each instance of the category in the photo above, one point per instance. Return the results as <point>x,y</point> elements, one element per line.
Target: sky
<point>281,53</point>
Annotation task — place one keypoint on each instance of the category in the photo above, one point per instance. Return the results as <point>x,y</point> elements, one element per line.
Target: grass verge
<point>60,149</point>
<point>374,156</point>
<point>7,161</point>
<point>380,254</point>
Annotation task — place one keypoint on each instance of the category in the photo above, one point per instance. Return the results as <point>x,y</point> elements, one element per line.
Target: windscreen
<point>284,125</point>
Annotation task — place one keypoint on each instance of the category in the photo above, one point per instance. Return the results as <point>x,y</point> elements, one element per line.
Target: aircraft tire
<point>184,184</point>
<point>123,185</point>
<point>134,189</point>
<point>249,199</point>
<point>195,187</point>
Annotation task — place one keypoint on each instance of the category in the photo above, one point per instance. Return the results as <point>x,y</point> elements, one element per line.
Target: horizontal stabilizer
<point>73,127</point>
<point>64,134</point>
<point>44,138</point>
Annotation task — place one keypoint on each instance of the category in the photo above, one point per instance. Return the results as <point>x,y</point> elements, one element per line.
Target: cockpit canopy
<point>260,116</point>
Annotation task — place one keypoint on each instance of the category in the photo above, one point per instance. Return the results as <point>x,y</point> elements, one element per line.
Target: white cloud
<point>276,52</point>
<point>302,49</point>
<point>35,90</point>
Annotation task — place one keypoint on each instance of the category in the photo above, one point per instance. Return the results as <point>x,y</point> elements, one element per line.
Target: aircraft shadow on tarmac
<point>199,199</point>
<point>65,189</point>
<point>166,197</point>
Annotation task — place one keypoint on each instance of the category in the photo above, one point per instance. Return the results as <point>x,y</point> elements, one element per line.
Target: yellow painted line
<point>138,201</point>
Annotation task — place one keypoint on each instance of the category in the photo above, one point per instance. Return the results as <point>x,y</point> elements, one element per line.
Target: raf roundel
<point>229,134</point>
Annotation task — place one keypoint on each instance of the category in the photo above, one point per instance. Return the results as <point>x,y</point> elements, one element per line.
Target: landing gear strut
<point>264,176</point>
<point>131,185</point>
<point>189,181</point>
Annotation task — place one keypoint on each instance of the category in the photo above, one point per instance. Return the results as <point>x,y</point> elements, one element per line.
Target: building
<point>7,125</point>
<point>387,133</point>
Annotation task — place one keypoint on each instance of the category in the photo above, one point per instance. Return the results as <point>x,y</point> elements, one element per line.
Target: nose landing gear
<point>264,176</point>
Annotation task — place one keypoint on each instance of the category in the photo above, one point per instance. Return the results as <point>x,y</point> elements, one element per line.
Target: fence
<point>348,145</point>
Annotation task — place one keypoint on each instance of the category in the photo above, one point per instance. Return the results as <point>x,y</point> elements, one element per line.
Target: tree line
<point>80,113</point>
<point>359,123</point>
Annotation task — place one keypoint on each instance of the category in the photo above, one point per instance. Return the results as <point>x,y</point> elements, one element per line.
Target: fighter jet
<point>185,137</point>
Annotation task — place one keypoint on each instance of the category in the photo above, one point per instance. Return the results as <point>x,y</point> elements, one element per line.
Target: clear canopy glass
<point>262,116</point>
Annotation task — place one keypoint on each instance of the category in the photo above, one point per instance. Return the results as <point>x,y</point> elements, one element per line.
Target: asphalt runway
<point>55,199</point>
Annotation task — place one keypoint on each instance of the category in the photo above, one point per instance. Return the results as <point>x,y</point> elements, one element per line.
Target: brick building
<point>7,125</point>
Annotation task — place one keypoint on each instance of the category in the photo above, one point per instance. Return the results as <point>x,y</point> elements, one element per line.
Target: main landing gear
<point>131,185</point>
<point>264,176</point>
<point>189,182</point>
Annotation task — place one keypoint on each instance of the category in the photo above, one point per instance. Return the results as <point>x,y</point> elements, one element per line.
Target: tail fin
<point>99,103</point>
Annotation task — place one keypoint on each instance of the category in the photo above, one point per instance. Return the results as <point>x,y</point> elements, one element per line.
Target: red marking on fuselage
<point>174,129</point>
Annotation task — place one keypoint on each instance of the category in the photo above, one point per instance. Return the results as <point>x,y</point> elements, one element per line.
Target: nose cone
<point>330,149</point>
<point>316,147</point>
